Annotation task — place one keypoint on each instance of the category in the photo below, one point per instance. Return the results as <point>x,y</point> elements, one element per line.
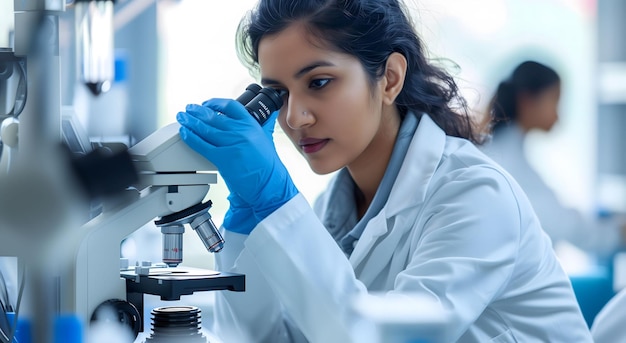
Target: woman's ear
<point>393,80</point>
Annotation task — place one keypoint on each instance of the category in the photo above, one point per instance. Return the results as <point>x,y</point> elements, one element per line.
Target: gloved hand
<point>225,133</point>
<point>240,217</point>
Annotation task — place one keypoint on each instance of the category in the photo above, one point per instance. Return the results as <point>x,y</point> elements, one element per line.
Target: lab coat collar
<point>420,164</point>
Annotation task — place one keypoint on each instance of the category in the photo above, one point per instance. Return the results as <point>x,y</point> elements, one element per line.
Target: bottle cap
<point>68,329</point>
<point>22,333</point>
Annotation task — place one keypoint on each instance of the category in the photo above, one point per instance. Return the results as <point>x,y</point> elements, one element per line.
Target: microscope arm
<point>96,274</point>
<point>168,183</point>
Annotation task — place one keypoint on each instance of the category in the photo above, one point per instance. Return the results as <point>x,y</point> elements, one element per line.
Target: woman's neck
<point>368,169</point>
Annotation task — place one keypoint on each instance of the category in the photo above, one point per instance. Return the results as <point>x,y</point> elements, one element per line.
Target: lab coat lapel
<point>375,228</point>
<point>408,191</point>
<point>419,166</point>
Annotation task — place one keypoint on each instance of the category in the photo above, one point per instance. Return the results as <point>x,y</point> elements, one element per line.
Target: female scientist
<point>528,100</point>
<point>415,209</point>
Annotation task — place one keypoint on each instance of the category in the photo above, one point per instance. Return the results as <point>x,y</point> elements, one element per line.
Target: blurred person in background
<point>529,100</point>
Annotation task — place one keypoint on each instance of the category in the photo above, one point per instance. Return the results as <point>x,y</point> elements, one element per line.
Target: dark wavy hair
<point>530,78</point>
<point>370,30</point>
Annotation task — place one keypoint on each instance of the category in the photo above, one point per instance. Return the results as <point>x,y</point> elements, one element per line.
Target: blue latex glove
<point>240,217</point>
<point>225,133</point>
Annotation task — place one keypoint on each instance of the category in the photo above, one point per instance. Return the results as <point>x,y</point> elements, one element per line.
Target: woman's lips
<point>312,145</point>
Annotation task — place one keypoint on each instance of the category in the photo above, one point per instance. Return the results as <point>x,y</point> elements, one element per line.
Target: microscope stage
<point>171,283</point>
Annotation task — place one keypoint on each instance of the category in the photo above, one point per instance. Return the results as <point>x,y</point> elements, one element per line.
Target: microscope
<point>172,182</point>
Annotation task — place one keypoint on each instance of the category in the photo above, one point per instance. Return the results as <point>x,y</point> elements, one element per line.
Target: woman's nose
<point>298,116</point>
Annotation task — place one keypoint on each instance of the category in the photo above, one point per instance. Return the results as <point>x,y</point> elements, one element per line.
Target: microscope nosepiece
<point>199,219</point>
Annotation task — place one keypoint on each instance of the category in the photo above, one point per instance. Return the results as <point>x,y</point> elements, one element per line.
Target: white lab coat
<point>455,227</point>
<point>608,326</point>
<point>561,223</point>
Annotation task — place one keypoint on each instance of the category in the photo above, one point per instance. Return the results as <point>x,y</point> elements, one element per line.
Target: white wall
<point>6,21</point>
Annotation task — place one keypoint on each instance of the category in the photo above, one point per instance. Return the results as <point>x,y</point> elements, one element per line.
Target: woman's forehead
<point>293,48</point>
<point>289,41</point>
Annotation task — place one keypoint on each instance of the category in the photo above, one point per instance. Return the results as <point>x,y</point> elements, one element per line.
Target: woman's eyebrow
<point>312,66</point>
<point>301,72</point>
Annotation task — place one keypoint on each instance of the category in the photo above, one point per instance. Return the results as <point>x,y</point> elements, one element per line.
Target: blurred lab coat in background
<point>608,327</point>
<point>561,223</point>
<point>528,100</point>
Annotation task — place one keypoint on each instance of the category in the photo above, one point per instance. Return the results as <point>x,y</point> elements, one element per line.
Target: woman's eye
<point>319,83</point>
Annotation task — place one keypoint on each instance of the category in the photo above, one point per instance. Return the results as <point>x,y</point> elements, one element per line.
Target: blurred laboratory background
<point>169,53</point>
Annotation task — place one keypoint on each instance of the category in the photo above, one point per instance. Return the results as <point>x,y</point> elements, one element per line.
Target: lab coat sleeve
<point>561,223</point>
<point>608,326</point>
<point>310,275</point>
<point>251,316</point>
<point>467,250</point>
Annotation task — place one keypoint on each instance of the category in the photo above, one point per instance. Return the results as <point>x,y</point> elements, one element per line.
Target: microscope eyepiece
<point>263,103</point>
<point>251,91</point>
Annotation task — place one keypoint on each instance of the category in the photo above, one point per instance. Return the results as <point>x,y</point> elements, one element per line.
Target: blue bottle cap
<point>68,329</point>
<point>22,333</point>
<point>121,66</point>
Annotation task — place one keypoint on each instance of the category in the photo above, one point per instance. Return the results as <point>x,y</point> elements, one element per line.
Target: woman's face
<point>330,113</point>
<point>541,110</point>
